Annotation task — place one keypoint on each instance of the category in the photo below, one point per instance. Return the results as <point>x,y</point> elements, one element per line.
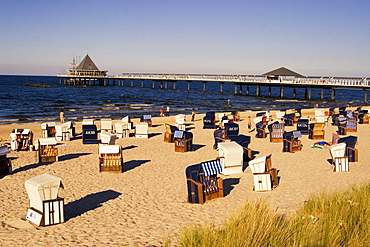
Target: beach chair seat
<point>339,158</point>
<point>183,141</point>
<point>277,132</point>
<point>203,184</point>
<point>48,129</point>
<point>142,130</point>
<point>110,158</point>
<point>316,131</point>
<point>127,120</point>
<point>231,157</point>
<point>291,143</point>
<point>107,138</point>
<point>351,151</point>
<point>264,176</point>
<point>168,134</point>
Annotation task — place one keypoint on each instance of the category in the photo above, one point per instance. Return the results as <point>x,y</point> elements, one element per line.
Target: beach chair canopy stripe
<point>211,167</point>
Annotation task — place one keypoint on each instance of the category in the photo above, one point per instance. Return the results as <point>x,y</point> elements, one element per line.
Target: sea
<point>23,102</point>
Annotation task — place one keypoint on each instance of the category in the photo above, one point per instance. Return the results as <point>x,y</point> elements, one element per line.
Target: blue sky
<point>317,37</point>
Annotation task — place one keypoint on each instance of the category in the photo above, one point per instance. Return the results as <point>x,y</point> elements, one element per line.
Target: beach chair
<point>108,138</point>
<point>342,125</point>
<point>319,113</point>
<point>280,116</point>
<point>363,117</point>
<point>47,150</point>
<point>46,207</point>
<point>264,176</point>
<point>106,124</point>
<point>334,139</point>
<point>289,119</point>
<point>322,119</point>
<point>180,121</point>
<point>235,115</point>
<point>203,184</point>
<point>297,115</point>
<point>261,130</point>
<point>277,132</point>
<point>209,121</point>
<point>316,131</point>
<point>48,129</point>
<point>127,120</point>
<point>231,129</point>
<point>183,141</point>
<point>231,157</point>
<point>291,143</point>
<point>244,142</point>
<point>302,126</point>
<point>146,119</point>
<point>332,112</point>
<point>110,158</point>
<point>5,163</point>
<point>122,129</point>
<point>25,140</point>
<point>168,134</point>
<point>219,136</point>
<point>351,151</point>
<point>339,158</point>
<point>142,130</point>
<point>89,134</point>
<point>351,125</point>
<point>342,111</point>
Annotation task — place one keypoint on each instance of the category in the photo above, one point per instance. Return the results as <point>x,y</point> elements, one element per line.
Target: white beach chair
<point>180,121</point>
<point>107,138</point>
<point>142,130</point>
<point>231,157</point>
<point>279,116</point>
<point>261,178</point>
<point>122,129</point>
<point>127,120</point>
<point>106,124</point>
<point>338,155</point>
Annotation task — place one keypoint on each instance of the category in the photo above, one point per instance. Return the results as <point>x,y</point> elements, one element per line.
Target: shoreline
<point>146,203</point>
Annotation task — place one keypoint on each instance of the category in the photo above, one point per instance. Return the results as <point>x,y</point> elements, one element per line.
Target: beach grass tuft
<point>326,219</point>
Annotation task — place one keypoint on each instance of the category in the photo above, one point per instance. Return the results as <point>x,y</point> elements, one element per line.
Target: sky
<point>316,37</point>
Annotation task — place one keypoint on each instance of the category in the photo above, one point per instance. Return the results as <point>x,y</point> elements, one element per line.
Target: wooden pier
<point>87,74</point>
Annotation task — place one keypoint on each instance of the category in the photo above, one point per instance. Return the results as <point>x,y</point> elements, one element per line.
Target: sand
<point>146,203</point>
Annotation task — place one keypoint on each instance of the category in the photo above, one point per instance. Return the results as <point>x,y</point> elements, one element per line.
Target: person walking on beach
<point>161,112</point>
<point>249,122</point>
<point>61,116</point>
<point>168,110</point>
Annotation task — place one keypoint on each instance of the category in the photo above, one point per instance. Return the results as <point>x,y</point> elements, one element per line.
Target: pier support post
<point>247,90</point>
<point>174,85</point>
<point>269,92</point>
<point>308,93</point>
<point>365,96</point>
<point>281,92</point>
<point>132,83</point>
<point>235,88</point>
<point>189,86</point>
<point>322,94</point>
<point>240,89</point>
<point>258,90</point>
<point>142,83</point>
<point>204,86</point>
<point>153,84</point>
<point>294,93</point>
<point>166,85</point>
<point>221,87</point>
<point>332,94</point>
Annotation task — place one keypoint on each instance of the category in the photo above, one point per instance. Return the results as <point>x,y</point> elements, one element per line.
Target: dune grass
<point>327,219</point>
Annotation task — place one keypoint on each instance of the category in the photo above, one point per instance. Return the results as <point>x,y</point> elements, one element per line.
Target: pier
<point>87,74</point>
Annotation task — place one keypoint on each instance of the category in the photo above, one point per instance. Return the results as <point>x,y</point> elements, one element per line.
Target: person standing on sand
<point>168,110</point>
<point>161,112</point>
<point>192,115</point>
<point>61,116</point>
<point>249,122</point>
<point>13,141</point>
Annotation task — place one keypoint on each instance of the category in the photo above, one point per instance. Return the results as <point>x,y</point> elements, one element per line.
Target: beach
<point>146,204</point>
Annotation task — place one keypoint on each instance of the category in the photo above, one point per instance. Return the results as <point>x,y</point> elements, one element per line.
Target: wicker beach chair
<point>277,132</point>
<point>339,158</point>
<point>264,176</point>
